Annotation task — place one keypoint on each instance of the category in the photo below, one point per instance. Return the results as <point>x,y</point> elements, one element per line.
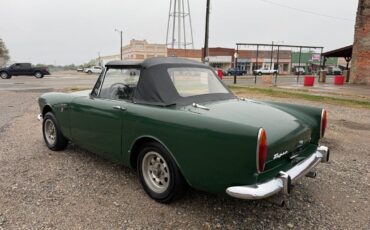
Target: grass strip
<point>300,95</point>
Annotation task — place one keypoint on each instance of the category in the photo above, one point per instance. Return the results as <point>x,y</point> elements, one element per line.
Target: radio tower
<point>179,25</point>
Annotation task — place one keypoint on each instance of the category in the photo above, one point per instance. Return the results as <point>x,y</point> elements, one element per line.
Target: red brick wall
<point>360,66</point>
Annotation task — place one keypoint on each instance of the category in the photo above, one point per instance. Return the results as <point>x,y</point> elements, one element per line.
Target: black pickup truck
<point>23,69</point>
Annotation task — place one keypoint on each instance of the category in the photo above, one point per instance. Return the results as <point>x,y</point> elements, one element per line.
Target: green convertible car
<point>178,125</point>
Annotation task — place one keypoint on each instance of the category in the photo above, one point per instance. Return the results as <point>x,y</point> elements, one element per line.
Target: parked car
<point>93,69</point>
<point>178,125</point>
<point>264,71</point>
<point>80,69</point>
<point>334,71</point>
<point>239,72</point>
<point>299,70</point>
<point>26,69</point>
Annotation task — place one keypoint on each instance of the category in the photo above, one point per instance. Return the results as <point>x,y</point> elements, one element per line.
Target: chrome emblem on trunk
<point>279,155</point>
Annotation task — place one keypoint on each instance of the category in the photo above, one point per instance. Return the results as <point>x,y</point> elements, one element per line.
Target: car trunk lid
<point>286,134</point>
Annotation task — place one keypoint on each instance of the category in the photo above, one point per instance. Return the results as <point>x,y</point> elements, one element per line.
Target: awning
<point>341,52</point>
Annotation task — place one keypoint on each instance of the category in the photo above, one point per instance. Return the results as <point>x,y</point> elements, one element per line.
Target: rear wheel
<point>53,136</point>
<point>89,72</point>
<point>4,75</point>
<point>259,74</point>
<point>159,174</point>
<point>38,74</point>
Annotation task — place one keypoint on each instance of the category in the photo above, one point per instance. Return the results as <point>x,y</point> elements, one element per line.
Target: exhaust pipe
<point>276,200</point>
<point>311,174</point>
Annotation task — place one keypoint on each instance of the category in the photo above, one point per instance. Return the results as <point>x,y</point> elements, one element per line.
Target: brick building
<point>194,54</point>
<point>141,49</point>
<point>360,66</point>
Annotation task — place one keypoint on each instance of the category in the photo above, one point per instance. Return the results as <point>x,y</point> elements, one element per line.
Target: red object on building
<point>309,80</point>
<point>339,80</point>
<point>219,73</point>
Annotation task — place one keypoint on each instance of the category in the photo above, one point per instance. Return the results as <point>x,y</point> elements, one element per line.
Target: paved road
<point>58,81</point>
<point>19,93</point>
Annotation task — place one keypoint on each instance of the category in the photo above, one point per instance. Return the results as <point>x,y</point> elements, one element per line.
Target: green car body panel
<point>214,149</point>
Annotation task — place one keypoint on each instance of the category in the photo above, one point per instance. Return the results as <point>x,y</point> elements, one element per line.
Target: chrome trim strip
<point>195,105</point>
<point>281,182</point>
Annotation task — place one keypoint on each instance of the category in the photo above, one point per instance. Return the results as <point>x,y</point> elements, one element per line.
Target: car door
<point>16,69</point>
<point>96,120</point>
<point>96,124</point>
<point>26,69</point>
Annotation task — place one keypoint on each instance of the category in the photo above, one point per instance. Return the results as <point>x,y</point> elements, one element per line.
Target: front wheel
<point>4,75</point>
<point>38,74</point>
<point>53,136</point>
<point>159,174</point>
<point>259,74</point>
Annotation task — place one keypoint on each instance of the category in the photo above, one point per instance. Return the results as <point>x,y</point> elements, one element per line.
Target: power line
<point>306,11</point>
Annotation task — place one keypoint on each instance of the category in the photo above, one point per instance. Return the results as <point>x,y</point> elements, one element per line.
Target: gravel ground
<point>73,189</point>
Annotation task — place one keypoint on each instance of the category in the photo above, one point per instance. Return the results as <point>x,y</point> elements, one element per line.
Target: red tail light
<point>261,150</point>
<point>324,122</point>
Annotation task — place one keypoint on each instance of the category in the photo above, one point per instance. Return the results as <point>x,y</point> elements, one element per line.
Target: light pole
<point>272,53</point>
<point>99,58</point>
<point>120,48</point>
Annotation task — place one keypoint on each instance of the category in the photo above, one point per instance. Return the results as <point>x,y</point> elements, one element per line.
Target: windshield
<point>195,81</point>
<point>119,84</point>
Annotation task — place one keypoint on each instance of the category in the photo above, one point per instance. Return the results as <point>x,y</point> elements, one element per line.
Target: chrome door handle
<point>119,107</point>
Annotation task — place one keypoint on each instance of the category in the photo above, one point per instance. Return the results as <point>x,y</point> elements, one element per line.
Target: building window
<point>285,67</point>
<point>139,56</point>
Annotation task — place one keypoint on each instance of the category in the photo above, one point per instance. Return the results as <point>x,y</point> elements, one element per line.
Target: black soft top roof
<point>155,86</point>
<point>151,62</point>
<point>120,64</point>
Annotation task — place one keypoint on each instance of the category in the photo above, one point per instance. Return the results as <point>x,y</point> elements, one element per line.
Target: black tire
<point>5,75</point>
<point>60,142</point>
<point>89,72</point>
<point>176,185</point>
<point>259,74</point>
<point>38,74</point>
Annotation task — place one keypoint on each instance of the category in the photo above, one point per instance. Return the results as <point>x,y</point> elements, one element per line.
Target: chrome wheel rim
<point>38,75</point>
<point>50,132</point>
<point>155,172</point>
<point>4,75</point>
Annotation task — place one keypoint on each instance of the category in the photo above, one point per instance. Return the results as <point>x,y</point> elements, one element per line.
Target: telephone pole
<point>205,51</point>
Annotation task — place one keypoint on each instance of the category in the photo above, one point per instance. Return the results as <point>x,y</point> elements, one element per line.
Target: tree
<point>4,52</point>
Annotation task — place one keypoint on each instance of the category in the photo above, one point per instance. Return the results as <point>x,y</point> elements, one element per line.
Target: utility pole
<point>120,48</point>
<point>205,51</point>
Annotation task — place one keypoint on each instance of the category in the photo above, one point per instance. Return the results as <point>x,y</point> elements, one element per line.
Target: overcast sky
<point>74,31</point>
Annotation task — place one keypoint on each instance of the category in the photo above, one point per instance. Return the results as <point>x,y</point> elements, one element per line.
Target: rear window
<point>195,81</point>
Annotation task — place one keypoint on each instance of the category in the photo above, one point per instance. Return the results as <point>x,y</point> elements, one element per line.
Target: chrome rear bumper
<point>283,181</point>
